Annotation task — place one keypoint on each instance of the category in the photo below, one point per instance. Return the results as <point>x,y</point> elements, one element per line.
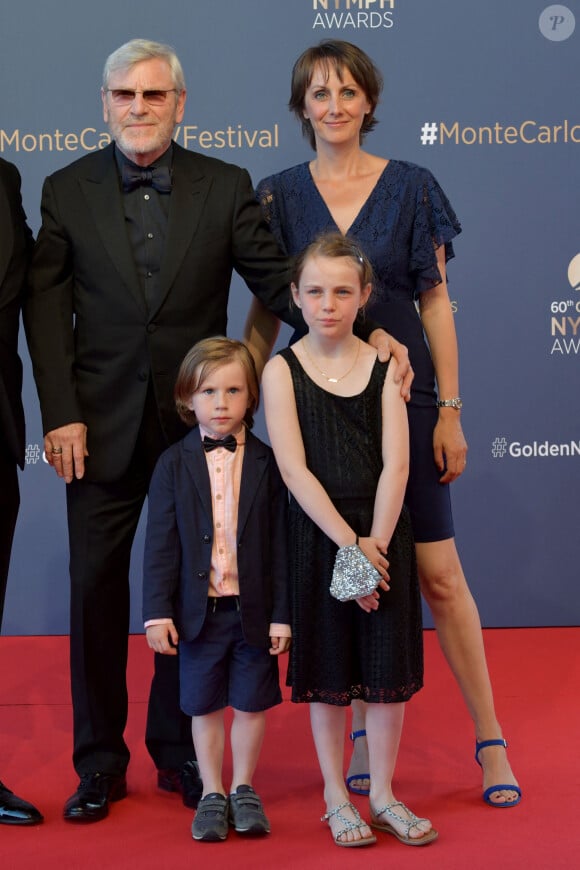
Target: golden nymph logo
<point>352,14</point>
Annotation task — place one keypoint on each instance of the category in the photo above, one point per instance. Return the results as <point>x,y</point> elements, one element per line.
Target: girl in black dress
<point>338,427</point>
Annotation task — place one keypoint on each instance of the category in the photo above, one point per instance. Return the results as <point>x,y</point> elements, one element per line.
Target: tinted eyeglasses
<point>125,96</point>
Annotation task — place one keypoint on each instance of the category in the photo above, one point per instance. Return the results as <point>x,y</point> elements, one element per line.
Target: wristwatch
<point>450,403</point>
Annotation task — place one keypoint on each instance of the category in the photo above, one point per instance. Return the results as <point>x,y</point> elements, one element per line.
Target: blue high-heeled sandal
<point>365,791</point>
<point>503,786</point>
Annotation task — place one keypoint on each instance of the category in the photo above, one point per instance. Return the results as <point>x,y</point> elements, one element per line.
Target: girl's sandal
<point>412,822</point>
<point>349,825</point>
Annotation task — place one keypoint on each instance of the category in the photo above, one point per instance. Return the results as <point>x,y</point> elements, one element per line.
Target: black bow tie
<point>158,177</point>
<point>229,442</point>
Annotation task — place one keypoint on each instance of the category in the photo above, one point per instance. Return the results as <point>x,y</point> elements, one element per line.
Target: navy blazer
<point>180,533</point>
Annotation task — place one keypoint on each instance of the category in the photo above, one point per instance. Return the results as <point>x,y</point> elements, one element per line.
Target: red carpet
<point>536,675</point>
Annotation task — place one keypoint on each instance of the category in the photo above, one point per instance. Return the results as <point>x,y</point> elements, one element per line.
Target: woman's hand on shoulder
<point>386,347</point>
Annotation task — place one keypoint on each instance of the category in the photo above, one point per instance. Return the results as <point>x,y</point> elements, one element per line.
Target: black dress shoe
<point>15,811</point>
<point>90,802</point>
<point>186,780</point>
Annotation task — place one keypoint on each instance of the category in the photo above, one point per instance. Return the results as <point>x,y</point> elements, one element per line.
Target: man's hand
<point>387,346</point>
<point>65,449</point>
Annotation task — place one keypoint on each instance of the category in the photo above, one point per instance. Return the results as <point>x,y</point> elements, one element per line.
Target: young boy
<point>215,576</point>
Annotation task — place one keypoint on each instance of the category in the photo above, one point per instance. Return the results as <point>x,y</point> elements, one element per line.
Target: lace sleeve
<point>435,224</point>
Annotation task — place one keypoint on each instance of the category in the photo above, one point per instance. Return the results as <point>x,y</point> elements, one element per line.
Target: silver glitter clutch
<point>353,575</point>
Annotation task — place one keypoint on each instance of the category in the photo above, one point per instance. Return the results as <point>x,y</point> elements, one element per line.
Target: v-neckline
<point>363,206</point>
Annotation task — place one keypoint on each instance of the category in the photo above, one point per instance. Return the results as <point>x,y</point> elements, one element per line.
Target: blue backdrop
<point>487,98</point>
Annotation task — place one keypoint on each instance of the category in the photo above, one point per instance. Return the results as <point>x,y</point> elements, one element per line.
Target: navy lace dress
<point>339,652</point>
<point>404,219</point>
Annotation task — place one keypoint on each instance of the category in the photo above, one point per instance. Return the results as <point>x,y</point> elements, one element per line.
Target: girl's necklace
<point>324,375</point>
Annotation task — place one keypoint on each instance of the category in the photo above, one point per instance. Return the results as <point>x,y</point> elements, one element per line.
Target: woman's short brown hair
<point>341,55</point>
<point>204,358</point>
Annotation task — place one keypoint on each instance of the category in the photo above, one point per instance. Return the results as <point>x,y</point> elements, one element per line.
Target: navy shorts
<point>220,669</point>
<point>429,501</point>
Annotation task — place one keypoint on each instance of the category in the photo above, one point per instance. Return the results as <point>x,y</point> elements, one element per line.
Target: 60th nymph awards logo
<point>352,14</point>
<point>565,315</point>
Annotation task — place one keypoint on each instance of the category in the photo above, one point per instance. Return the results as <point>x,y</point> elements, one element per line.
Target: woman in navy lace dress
<point>400,216</point>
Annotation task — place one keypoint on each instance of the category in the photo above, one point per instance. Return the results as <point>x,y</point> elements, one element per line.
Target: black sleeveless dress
<point>339,652</point>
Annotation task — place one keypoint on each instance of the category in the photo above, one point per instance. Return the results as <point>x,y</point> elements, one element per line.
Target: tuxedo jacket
<point>94,341</point>
<point>15,248</point>
<point>178,543</point>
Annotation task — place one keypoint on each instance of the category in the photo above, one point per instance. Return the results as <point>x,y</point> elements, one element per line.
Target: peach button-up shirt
<point>225,475</point>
